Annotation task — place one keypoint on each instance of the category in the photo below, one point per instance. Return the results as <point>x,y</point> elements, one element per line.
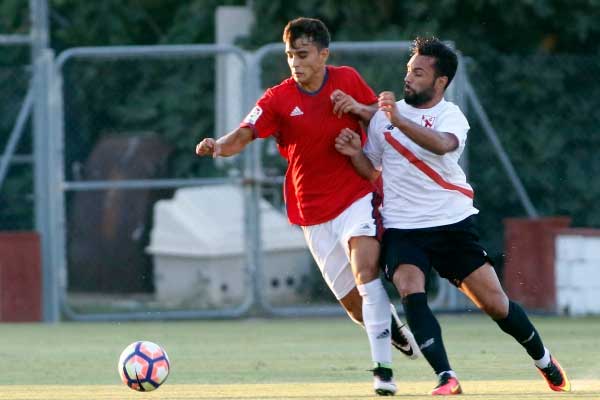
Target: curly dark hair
<point>446,61</point>
<point>313,29</point>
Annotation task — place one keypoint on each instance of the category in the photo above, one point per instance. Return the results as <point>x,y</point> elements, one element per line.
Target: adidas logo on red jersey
<point>296,111</point>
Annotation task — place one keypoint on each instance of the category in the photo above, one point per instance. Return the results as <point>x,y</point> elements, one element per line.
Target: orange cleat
<point>448,386</point>
<point>555,376</point>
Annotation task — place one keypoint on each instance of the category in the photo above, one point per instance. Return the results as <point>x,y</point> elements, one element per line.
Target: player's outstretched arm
<point>228,145</point>
<point>344,103</point>
<point>349,144</point>
<point>437,142</point>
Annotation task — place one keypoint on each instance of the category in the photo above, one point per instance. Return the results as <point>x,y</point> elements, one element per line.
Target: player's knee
<point>408,284</point>
<point>496,307</point>
<point>406,288</point>
<point>403,292</point>
<point>366,273</point>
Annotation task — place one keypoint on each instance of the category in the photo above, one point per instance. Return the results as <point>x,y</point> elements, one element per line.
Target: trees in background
<point>533,64</point>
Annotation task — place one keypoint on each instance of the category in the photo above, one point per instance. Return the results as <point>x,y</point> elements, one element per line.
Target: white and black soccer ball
<point>144,366</point>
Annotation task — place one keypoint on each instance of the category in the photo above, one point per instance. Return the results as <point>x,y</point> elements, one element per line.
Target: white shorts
<point>328,242</point>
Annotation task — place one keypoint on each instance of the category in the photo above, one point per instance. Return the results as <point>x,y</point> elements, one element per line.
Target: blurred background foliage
<point>534,64</point>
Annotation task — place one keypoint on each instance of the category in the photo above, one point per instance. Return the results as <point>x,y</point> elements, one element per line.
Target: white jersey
<point>421,189</point>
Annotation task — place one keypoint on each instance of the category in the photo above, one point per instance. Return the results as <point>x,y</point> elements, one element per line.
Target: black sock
<point>518,325</point>
<point>426,330</point>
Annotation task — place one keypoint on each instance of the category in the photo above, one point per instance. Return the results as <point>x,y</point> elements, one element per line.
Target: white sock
<point>377,320</point>
<point>451,372</point>
<point>544,361</point>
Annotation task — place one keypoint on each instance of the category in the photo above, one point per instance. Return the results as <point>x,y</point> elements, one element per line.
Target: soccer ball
<point>143,366</point>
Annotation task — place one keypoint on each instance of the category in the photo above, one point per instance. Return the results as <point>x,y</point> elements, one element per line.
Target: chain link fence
<point>16,177</point>
<point>150,230</point>
<point>545,109</point>
<point>143,232</point>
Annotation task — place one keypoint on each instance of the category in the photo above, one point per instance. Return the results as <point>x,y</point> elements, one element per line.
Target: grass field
<point>284,359</point>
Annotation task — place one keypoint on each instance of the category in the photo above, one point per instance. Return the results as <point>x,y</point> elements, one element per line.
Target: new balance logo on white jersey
<point>296,111</point>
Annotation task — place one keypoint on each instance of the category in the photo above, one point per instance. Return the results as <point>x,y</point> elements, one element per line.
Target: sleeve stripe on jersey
<point>252,127</point>
<point>423,167</point>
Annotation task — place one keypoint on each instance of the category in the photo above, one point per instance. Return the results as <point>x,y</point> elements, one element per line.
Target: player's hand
<point>348,142</point>
<point>387,103</point>
<point>343,103</point>
<point>208,146</point>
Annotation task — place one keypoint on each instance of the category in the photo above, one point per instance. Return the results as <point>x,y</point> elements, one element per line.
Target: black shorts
<point>453,250</point>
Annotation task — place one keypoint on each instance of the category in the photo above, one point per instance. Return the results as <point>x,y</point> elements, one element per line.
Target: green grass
<point>284,359</point>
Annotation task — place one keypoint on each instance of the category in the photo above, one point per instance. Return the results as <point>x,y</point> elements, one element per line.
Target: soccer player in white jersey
<point>428,211</point>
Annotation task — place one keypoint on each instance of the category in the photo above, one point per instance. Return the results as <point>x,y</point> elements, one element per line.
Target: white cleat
<point>402,337</point>
<point>383,388</point>
<point>383,381</point>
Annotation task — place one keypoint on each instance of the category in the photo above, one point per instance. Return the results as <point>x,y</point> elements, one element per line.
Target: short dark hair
<point>446,60</point>
<point>314,30</point>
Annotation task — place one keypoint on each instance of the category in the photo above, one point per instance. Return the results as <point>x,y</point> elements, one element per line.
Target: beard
<point>415,98</point>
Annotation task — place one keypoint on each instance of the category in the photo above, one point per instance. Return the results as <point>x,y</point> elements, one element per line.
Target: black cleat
<point>402,337</point>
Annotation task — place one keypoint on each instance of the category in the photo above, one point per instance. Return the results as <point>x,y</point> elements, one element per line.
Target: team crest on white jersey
<point>253,115</point>
<point>296,111</point>
<point>427,121</point>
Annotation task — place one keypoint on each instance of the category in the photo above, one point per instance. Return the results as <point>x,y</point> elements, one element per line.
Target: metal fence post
<point>42,61</point>
<point>57,217</point>
<point>43,183</point>
<point>252,219</point>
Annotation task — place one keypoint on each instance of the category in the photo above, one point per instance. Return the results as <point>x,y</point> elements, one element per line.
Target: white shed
<point>197,247</point>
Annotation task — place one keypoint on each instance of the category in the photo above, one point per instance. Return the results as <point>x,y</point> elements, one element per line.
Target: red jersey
<point>320,183</point>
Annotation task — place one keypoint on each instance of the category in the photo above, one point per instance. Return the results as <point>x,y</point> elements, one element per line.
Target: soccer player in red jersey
<point>336,208</point>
